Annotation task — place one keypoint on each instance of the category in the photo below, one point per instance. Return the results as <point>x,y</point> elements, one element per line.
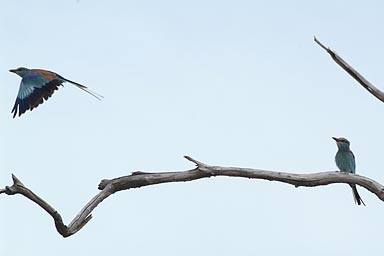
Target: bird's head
<point>342,143</point>
<point>20,71</point>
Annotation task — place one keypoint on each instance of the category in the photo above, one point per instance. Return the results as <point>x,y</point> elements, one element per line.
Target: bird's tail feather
<point>356,195</point>
<point>84,88</point>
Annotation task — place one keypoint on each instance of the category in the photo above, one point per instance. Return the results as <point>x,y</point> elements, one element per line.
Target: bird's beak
<point>336,139</point>
<point>12,70</point>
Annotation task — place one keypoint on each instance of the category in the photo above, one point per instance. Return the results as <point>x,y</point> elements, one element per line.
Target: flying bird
<point>38,85</point>
<point>345,161</point>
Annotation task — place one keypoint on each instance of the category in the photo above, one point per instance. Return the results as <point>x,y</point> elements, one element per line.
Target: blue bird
<point>345,161</point>
<point>38,85</point>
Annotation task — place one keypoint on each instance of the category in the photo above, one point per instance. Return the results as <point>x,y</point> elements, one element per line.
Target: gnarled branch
<point>350,70</point>
<point>139,179</point>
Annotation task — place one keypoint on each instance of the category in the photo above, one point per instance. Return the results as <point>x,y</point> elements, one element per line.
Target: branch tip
<point>321,45</point>
<point>103,183</point>
<point>16,181</point>
<point>194,161</point>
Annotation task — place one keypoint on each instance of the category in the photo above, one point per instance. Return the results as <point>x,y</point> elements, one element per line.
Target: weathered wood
<point>350,70</point>
<point>140,179</point>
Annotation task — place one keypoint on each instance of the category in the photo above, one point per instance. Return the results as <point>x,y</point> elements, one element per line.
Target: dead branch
<point>350,70</point>
<point>140,179</point>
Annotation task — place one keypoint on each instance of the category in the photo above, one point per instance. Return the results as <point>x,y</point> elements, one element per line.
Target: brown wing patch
<point>46,74</point>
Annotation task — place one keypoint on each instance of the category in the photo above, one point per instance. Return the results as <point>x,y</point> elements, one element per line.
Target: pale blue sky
<point>231,83</point>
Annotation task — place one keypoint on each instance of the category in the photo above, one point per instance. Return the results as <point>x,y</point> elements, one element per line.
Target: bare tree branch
<point>139,179</point>
<point>350,70</point>
<point>19,188</point>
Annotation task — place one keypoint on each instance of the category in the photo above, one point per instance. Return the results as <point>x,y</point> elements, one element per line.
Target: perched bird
<point>38,85</point>
<point>345,161</point>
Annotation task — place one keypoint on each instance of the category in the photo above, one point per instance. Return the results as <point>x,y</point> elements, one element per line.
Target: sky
<point>229,83</point>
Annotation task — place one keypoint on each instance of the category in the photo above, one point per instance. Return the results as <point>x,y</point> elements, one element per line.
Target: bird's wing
<point>34,89</point>
<point>353,162</point>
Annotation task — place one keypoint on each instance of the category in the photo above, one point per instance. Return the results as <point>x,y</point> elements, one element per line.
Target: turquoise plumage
<point>345,161</point>
<point>38,85</point>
